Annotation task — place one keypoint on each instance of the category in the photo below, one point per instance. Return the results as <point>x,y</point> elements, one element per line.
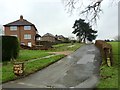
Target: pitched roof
<point>60,36</point>
<point>20,22</point>
<point>37,35</point>
<point>48,34</point>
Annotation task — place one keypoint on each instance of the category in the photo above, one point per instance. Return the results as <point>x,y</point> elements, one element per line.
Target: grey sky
<point>50,16</point>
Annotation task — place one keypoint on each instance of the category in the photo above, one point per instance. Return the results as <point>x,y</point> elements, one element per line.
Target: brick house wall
<point>48,38</point>
<point>20,32</point>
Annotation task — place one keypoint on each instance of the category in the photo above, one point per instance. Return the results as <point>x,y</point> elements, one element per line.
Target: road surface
<point>78,70</point>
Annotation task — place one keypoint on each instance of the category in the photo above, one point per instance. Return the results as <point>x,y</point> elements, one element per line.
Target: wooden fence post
<point>18,68</point>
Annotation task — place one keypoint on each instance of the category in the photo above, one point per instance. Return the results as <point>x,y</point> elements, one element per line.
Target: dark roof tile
<point>20,22</point>
<point>48,34</point>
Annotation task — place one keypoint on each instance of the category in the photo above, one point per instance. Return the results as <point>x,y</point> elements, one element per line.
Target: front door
<point>29,44</point>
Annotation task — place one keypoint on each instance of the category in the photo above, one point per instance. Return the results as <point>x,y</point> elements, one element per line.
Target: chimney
<point>21,17</point>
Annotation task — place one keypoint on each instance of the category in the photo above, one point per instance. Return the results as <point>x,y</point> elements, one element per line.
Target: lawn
<point>31,67</point>
<point>109,75</point>
<point>66,47</point>
<point>31,54</point>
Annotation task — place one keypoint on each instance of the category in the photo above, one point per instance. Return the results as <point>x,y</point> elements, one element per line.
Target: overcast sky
<point>49,16</point>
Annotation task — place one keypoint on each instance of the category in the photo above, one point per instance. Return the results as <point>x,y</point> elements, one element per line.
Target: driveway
<point>78,70</point>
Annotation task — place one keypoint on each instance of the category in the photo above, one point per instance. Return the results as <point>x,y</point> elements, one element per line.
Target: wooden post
<point>105,55</point>
<point>111,57</point>
<point>18,68</point>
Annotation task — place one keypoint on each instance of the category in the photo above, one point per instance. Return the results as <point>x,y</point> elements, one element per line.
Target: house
<point>25,31</point>
<point>61,38</point>
<point>48,37</point>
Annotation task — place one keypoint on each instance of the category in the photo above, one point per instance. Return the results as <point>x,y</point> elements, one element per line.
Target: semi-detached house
<point>24,30</point>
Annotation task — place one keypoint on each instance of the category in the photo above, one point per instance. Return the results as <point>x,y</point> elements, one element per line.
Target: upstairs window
<point>27,27</point>
<point>12,28</point>
<point>27,36</point>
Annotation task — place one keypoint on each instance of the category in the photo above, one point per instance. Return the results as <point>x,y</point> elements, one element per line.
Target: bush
<point>10,48</point>
<point>106,50</point>
<point>0,49</point>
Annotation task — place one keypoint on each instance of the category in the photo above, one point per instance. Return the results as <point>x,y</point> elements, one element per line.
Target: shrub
<point>10,48</point>
<point>0,49</point>
<point>106,50</point>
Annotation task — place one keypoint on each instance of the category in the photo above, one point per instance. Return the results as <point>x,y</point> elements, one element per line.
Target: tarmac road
<point>78,70</point>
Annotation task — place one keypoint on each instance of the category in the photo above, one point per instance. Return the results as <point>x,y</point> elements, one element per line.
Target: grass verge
<point>66,47</point>
<point>30,67</point>
<point>31,54</point>
<point>109,75</point>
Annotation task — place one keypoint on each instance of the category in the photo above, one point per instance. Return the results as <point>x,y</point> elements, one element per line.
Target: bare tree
<point>91,11</point>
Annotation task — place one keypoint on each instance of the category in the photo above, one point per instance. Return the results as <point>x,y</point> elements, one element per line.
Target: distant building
<point>48,37</point>
<point>25,31</point>
<point>61,38</point>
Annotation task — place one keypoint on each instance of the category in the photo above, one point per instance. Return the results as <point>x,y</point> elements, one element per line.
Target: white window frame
<point>15,35</point>
<point>27,36</point>
<point>13,28</point>
<point>27,27</point>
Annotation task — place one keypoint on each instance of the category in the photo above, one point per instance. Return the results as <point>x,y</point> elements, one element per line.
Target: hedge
<point>106,51</point>
<point>0,49</point>
<point>10,48</point>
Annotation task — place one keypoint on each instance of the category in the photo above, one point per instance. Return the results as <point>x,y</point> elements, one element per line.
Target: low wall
<point>43,45</point>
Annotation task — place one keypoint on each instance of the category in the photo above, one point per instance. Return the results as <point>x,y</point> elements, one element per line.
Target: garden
<point>35,60</point>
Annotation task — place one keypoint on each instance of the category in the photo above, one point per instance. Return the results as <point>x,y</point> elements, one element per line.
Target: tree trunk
<point>79,39</point>
<point>84,40</point>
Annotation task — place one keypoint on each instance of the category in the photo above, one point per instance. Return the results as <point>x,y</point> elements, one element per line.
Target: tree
<point>91,10</point>
<point>84,31</point>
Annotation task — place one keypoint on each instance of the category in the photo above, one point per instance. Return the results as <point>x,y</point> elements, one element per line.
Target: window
<point>27,36</point>
<point>27,27</point>
<point>12,28</point>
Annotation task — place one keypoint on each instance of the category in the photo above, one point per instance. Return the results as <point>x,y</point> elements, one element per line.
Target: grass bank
<point>109,75</point>
<point>31,54</point>
<point>30,67</point>
<point>66,47</point>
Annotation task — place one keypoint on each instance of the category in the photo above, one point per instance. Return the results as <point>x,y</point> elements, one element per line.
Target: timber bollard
<point>18,68</point>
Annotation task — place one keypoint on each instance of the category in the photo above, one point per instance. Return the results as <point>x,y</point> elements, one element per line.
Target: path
<point>63,52</point>
<point>78,70</point>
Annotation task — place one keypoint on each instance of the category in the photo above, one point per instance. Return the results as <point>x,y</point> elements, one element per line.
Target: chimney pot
<point>21,17</point>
